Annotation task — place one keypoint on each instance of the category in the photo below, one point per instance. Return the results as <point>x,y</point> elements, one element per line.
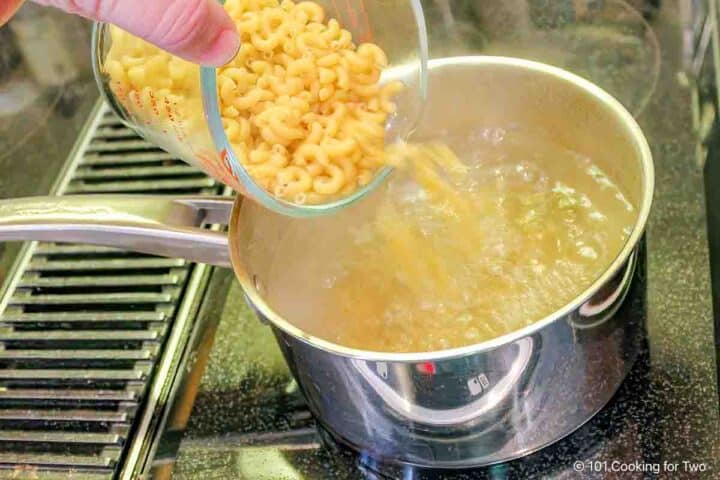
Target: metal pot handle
<point>159,225</point>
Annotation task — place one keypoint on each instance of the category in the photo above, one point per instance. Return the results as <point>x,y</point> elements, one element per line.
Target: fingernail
<point>223,49</point>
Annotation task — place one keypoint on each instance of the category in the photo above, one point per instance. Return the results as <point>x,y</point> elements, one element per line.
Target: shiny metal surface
<point>480,408</point>
<point>474,410</point>
<point>464,407</point>
<point>149,224</point>
<point>510,396</point>
<point>573,111</point>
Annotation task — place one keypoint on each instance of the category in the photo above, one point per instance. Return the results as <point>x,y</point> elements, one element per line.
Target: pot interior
<point>584,141</point>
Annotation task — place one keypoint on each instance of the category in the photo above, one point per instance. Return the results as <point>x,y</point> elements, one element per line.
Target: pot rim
<point>643,213</point>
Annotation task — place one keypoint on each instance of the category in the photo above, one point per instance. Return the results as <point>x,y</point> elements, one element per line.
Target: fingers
<point>197,30</point>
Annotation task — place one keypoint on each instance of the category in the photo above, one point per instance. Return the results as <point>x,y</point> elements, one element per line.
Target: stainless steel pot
<point>463,407</point>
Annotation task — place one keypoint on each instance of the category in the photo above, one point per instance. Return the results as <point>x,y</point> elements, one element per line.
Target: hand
<point>196,30</point>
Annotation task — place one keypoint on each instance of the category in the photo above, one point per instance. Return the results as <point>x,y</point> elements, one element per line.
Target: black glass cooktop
<point>44,101</point>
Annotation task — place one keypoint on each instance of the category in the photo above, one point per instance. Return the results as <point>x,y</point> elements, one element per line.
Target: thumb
<point>197,30</point>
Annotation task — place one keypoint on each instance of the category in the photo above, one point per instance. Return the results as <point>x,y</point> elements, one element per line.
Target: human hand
<point>197,30</point>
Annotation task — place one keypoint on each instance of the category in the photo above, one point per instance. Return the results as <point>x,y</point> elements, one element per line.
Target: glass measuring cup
<point>191,126</point>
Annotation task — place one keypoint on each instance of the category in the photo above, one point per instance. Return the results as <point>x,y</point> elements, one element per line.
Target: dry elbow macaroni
<point>301,104</point>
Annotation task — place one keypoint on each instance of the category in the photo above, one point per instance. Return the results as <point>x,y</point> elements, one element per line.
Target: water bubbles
<point>495,268</point>
<point>408,192</point>
<point>427,304</point>
<point>597,216</point>
<point>476,158</point>
<point>628,206</point>
<point>566,195</point>
<point>465,318</point>
<point>526,171</point>
<point>472,334</point>
<point>585,201</point>
<point>500,249</point>
<point>600,177</point>
<point>329,281</point>
<point>477,257</point>
<point>426,230</point>
<point>588,252</point>
<point>494,135</point>
<point>537,268</point>
<point>530,216</point>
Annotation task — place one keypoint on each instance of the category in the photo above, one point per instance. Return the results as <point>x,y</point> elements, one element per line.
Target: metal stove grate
<point>82,327</point>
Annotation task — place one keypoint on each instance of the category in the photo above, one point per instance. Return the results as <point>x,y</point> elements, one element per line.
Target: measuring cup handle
<point>158,225</point>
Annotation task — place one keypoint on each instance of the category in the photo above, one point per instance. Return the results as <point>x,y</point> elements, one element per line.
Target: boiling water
<point>446,255</point>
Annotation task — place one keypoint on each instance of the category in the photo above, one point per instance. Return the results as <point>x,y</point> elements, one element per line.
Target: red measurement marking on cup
<point>135,97</point>
<point>353,16</point>
<point>367,34</point>
<point>120,92</point>
<point>225,159</point>
<point>337,11</point>
<point>154,104</point>
<point>179,133</point>
<point>168,110</point>
<point>180,128</point>
<point>356,21</point>
<point>210,167</point>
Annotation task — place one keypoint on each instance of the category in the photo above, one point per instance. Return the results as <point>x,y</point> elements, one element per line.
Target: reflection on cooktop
<point>32,83</point>
<point>44,100</point>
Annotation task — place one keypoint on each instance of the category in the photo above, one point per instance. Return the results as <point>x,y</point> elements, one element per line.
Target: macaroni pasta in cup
<point>299,119</point>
